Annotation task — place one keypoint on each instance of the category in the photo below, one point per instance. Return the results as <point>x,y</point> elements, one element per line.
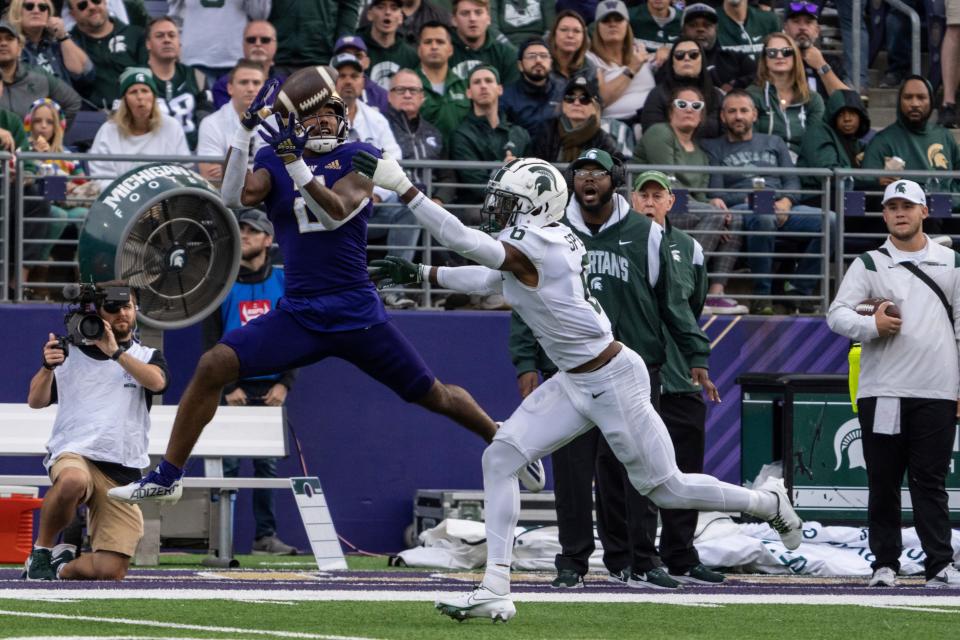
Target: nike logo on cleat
<point>597,395</point>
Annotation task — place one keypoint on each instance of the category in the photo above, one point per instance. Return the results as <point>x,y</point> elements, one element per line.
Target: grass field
<point>168,605</point>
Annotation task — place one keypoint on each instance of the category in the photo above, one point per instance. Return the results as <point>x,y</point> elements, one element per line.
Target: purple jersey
<point>326,271</point>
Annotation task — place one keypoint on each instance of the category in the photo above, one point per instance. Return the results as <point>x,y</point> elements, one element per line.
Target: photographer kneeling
<point>104,388</point>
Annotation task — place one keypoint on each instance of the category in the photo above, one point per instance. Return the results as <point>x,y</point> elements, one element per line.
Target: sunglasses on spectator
<point>582,99</point>
<point>693,54</point>
<point>804,7</point>
<point>590,173</point>
<point>783,52</point>
<point>42,7</point>
<point>692,105</point>
<point>83,4</point>
<point>258,39</point>
<point>411,90</point>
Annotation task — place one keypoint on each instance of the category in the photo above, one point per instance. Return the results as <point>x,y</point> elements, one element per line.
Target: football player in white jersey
<point>539,265</point>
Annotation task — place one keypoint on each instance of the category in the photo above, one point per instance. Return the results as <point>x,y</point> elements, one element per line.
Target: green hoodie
<point>501,55</point>
<point>649,32</point>
<point>641,315</point>
<point>823,147</point>
<point>447,110</point>
<point>927,147</point>
<point>309,29</point>
<point>790,124</point>
<point>475,139</point>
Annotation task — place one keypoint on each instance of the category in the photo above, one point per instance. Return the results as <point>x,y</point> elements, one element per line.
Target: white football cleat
<point>786,522</point>
<point>479,603</point>
<point>149,488</point>
<point>533,477</point>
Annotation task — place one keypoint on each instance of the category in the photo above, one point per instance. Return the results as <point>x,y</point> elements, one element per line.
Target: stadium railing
<point>833,193</point>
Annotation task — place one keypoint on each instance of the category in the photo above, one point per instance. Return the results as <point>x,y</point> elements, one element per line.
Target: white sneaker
<point>147,489</point>
<point>786,522</point>
<point>884,577</point>
<point>533,477</point>
<point>948,578</point>
<point>479,603</point>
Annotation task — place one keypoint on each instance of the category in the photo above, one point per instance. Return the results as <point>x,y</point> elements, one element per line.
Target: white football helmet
<point>325,144</point>
<point>525,191</point>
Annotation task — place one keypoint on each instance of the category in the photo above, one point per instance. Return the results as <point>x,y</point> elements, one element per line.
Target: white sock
<point>501,462</point>
<point>36,547</point>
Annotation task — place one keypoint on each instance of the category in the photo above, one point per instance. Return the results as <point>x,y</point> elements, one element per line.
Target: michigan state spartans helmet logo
<point>901,188</point>
<point>525,191</point>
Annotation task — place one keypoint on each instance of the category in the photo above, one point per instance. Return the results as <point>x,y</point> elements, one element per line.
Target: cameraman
<point>99,441</point>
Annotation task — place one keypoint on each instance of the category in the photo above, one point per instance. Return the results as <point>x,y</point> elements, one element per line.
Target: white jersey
<point>566,320</point>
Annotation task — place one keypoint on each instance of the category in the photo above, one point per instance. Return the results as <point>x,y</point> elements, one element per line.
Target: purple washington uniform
<point>329,306</point>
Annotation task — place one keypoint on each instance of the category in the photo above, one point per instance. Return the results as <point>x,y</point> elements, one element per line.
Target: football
<point>869,307</point>
<point>305,91</point>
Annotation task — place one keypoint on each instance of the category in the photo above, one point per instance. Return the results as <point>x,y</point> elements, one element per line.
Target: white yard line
<point>313,595</point>
<point>177,625</point>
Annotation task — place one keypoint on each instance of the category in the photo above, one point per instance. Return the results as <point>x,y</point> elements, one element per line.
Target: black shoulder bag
<point>927,280</point>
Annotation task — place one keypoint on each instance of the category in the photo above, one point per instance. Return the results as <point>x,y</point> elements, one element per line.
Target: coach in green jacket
<point>636,290</point>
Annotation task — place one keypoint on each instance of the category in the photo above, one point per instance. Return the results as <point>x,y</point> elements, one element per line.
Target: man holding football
<point>909,381</point>
<point>319,207</point>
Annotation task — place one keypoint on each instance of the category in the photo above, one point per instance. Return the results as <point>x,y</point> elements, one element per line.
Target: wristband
<point>116,354</point>
<point>627,72</point>
<point>300,173</point>
<point>48,367</point>
<point>241,139</point>
<point>824,70</point>
<point>61,39</point>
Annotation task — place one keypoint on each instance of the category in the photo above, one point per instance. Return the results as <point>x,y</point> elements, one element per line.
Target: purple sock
<point>168,472</point>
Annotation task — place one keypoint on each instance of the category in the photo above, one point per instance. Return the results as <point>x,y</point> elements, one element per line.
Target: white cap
<point>606,7</point>
<point>906,189</point>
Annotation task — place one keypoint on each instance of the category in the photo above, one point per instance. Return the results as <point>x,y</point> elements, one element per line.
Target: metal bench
<point>241,432</point>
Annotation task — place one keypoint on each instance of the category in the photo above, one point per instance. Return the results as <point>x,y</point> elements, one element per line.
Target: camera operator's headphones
<point>618,174</point>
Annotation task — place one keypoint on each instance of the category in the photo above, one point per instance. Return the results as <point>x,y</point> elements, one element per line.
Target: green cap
<point>597,156</point>
<point>137,75</point>
<point>659,177</point>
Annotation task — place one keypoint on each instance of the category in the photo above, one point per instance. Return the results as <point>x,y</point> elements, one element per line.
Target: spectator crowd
<point>735,83</point>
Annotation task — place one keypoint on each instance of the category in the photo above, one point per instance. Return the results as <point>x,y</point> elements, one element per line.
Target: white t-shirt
<point>566,320</point>
<point>633,99</point>
<point>167,140</point>
<point>212,33</point>
<point>101,410</point>
<point>217,130</point>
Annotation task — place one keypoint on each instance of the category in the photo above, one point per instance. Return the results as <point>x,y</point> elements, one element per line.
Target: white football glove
<point>388,174</point>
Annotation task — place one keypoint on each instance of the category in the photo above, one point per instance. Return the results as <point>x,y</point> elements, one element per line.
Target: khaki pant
<point>114,526</point>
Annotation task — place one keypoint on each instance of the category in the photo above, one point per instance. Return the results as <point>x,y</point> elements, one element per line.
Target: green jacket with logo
<point>309,28</point>
<point>496,52</point>
<point>184,99</point>
<point>791,123</point>
<point>641,315</point>
<point>926,148</point>
<point>386,61</point>
<point>690,281</point>
<point>475,139</point>
<point>748,38</point>
<point>123,48</point>
<point>649,32</point>
<point>448,110</point>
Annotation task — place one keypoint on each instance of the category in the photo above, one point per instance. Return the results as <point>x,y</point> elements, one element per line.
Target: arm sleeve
<point>675,312</point>
<point>158,360</point>
<point>470,279</point>
<point>453,234</point>
<point>66,96</point>
<point>523,346</point>
<point>235,173</point>
<point>348,15</point>
<point>841,318</point>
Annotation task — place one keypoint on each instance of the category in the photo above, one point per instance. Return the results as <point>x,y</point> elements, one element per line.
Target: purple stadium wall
<point>373,451</point>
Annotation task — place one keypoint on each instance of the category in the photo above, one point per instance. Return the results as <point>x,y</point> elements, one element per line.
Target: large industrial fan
<point>164,229</point>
